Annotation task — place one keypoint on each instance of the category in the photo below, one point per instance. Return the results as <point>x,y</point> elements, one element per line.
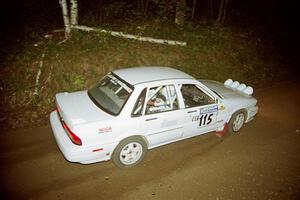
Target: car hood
<point>225,92</point>
<point>77,108</point>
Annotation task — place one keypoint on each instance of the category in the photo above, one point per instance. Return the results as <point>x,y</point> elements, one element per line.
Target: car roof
<point>136,75</point>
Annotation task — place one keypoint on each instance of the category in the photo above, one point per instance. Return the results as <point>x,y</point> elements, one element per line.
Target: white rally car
<point>135,109</point>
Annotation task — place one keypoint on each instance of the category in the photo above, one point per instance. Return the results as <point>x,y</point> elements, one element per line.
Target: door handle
<point>192,111</point>
<point>150,119</point>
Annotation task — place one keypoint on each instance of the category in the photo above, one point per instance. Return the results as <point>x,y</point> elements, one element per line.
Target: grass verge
<point>212,52</point>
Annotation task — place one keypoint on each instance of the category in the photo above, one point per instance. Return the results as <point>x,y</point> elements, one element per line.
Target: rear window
<point>110,94</point>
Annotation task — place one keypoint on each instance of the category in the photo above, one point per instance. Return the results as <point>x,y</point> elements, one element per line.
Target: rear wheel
<point>237,121</point>
<point>129,152</point>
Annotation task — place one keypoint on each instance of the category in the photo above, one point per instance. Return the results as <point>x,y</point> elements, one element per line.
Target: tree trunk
<point>211,8</point>
<point>130,36</point>
<point>146,6</point>
<point>194,8</point>
<point>64,7</point>
<point>222,11</point>
<point>74,12</point>
<point>143,6</point>
<point>180,12</point>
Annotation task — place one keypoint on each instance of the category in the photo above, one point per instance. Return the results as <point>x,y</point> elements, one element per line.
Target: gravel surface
<point>261,162</point>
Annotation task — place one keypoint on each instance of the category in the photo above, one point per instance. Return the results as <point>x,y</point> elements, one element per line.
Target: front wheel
<point>237,121</point>
<point>129,152</point>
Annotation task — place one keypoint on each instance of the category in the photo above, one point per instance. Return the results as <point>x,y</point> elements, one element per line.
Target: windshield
<point>110,94</point>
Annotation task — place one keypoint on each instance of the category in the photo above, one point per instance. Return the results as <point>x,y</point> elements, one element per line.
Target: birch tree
<point>64,7</point>
<point>74,12</point>
<point>69,19</point>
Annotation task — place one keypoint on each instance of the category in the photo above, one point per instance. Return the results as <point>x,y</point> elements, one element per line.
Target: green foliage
<point>78,81</point>
<point>78,35</point>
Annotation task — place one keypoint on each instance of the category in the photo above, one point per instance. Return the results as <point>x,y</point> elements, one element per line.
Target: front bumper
<point>252,111</point>
<point>74,153</point>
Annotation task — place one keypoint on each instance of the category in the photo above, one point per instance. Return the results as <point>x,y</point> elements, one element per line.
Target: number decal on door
<point>207,116</point>
<point>205,119</point>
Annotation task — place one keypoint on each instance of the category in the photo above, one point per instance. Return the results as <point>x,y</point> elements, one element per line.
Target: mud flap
<point>223,132</point>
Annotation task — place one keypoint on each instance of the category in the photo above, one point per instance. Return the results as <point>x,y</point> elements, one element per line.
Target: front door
<point>201,110</point>
<point>200,119</point>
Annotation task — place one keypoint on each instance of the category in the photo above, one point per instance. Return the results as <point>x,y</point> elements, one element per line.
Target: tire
<point>237,121</point>
<point>129,152</point>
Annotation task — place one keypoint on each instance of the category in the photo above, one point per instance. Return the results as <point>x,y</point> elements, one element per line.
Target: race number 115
<point>205,119</point>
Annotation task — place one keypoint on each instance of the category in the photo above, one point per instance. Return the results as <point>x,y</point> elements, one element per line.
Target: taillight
<point>74,138</point>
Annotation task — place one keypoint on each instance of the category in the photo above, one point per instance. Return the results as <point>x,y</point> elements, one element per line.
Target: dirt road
<point>262,162</point>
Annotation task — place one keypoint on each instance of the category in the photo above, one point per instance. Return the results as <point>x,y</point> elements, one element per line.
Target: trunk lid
<point>77,108</point>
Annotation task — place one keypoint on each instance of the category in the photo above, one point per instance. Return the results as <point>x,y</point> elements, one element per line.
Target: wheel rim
<point>238,122</point>
<point>131,153</point>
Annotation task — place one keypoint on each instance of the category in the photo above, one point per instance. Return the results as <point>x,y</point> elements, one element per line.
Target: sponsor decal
<point>211,109</point>
<point>222,107</point>
<point>105,129</point>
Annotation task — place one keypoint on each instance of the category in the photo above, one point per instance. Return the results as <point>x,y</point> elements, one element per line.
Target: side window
<point>138,107</point>
<point>161,99</point>
<point>193,96</point>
